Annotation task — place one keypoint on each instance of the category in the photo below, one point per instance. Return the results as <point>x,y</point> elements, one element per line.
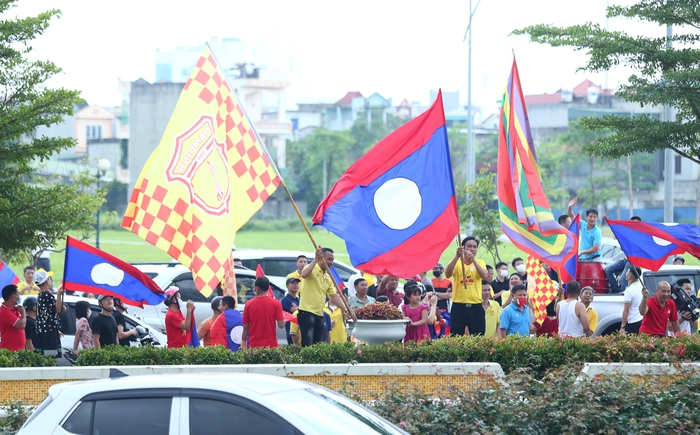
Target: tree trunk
<point>593,200</point>
<point>629,185</point>
<point>617,197</point>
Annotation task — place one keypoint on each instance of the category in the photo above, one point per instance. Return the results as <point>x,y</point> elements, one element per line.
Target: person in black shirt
<point>124,334</point>
<point>48,321</point>
<point>30,305</point>
<point>104,327</point>
<point>500,284</point>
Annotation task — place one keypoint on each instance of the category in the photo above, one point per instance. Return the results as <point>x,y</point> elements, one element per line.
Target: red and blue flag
<point>336,277</point>
<point>7,275</point>
<point>571,266</point>
<point>649,244</point>
<point>395,207</point>
<point>228,329</point>
<point>88,269</point>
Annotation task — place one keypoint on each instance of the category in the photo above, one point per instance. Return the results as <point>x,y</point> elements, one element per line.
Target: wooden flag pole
<point>461,259</point>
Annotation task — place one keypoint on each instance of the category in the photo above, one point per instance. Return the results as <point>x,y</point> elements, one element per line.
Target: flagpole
<point>289,194</point>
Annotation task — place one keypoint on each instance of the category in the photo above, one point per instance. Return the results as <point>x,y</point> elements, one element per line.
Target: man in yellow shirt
<point>492,310</point>
<point>301,263</point>
<point>468,272</point>
<point>587,298</point>
<point>339,334</point>
<point>316,285</point>
<point>28,286</point>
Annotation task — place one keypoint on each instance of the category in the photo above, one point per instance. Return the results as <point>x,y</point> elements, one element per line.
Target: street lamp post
<point>103,165</point>
<point>471,153</point>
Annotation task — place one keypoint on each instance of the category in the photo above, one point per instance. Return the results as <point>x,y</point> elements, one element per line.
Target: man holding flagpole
<point>316,284</point>
<point>468,272</point>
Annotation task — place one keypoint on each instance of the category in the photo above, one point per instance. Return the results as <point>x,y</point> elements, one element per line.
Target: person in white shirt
<point>631,318</point>
<point>571,313</point>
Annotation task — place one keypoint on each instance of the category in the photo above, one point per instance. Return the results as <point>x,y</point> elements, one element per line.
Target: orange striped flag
<point>206,178</point>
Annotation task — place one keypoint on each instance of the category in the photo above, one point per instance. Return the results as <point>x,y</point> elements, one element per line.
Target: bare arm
<point>121,334</point>
<point>643,306</point>
<point>583,317</point>
<point>306,271</point>
<point>59,299</point>
<point>187,324</point>
<point>21,323</point>
<point>501,332</point>
<point>244,335</point>
<point>423,319</point>
<point>675,327</point>
<point>570,209</point>
<point>96,339</point>
<point>382,285</point>
<point>76,341</point>
<point>592,250</point>
<point>483,273</point>
<point>280,324</point>
<point>29,345</point>
<point>625,315</point>
<point>433,308</point>
<point>451,266</point>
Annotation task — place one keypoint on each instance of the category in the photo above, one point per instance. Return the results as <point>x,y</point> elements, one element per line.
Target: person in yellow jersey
<point>316,285</point>
<point>28,287</point>
<point>339,334</point>
<point>301,264</point>
<point>468,272</point>
<point>492,310</point>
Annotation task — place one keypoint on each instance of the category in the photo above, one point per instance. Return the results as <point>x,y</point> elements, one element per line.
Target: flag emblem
<point>200,163</point>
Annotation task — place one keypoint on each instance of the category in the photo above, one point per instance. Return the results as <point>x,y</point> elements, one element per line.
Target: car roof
<point>166,272</point>
<point>250,254</point>
<point>245,384</point>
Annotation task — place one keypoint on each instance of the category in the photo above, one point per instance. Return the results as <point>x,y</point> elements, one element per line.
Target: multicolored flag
<point>88,269</point>
<point>334,272</point>
<point>526,217</point>
<point>570,270</point>
<point>7,275</point>
<point>540,287</point>
<point>649,244</point>
<point>208,176</point>
<point>395,207</point>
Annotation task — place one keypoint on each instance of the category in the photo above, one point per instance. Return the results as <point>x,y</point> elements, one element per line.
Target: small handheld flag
<point>88,269</point>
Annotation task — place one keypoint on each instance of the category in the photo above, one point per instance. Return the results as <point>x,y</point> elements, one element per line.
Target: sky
<point>401,49</point>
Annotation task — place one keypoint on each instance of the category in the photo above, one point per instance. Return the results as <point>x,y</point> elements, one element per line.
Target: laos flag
<point>395,207</point>
<point>7,276</point>
<point>88,269</point>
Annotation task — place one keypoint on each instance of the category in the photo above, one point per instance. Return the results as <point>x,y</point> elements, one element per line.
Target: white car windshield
<point>329,412</point>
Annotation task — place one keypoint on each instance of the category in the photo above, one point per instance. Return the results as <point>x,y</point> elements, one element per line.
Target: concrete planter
<point>379,331</point>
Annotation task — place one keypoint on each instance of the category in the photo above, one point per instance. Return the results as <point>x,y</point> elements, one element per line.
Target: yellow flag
<point>541,288</point>
<point>207,177</point>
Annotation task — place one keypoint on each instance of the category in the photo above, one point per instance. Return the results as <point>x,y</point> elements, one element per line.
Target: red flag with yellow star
<point>206,178</point>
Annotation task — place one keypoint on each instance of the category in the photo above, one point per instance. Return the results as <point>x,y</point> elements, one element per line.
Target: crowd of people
<point>467,297</point>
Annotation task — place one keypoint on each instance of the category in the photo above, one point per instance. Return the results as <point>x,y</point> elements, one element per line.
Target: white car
<point>175,274</point>
<point>201,404</point>
<point>278,264</point>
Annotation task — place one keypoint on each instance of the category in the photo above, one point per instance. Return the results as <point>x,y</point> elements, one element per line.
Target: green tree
<point>480,210</point>
<point>664,75</point>
<point>35,209</point>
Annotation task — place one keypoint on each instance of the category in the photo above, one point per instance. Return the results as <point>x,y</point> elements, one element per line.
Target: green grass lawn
<point>131,248</point>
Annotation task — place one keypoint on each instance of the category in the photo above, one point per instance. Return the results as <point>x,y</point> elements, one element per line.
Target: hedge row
<point>538,354</point>
<point>559,403</point>
<point>25,359</point>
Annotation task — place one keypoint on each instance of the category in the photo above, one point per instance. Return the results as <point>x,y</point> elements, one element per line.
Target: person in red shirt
<point>550,324</point>
<point>13,319</point>
<point>658,311</point>
<point>178,327</point>
<point>259,317</point>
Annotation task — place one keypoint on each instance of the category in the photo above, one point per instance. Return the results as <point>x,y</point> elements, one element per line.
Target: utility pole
<point>669,169</point>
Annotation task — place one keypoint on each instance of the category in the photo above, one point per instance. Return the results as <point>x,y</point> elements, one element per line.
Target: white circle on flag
<point>106,274</point>
<point>236,334</point>
<point>398,203</point>
<point>660,242</point>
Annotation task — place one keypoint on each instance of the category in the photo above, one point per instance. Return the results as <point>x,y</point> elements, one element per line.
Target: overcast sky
<point>401,49</point>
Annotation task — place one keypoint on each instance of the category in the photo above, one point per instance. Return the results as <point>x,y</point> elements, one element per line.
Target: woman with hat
<point>48,322</point>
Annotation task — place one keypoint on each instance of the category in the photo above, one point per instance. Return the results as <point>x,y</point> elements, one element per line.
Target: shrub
<point>25,358</point>
<point>16,412</point>
<point>557,403</point>
<point>540,355</point>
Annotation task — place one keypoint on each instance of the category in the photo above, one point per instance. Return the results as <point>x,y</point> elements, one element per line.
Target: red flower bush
<point>378,311</point>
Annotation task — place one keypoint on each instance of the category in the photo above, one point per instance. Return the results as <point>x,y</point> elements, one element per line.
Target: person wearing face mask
<point>571,313</point>
<point>83,332</point>
<point>442,286</point>
<point>468,273</point>
<point>507,296</point>
<point>519,266</point>
<point>501,283</point>
<point>515,318</point>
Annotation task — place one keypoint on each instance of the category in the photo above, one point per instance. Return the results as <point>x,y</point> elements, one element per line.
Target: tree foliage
<point>664,75</point>
<point>480,210</point>
<point>35,209</point>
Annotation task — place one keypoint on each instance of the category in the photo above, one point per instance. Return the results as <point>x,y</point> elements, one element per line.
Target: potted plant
<point>378,323</point>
